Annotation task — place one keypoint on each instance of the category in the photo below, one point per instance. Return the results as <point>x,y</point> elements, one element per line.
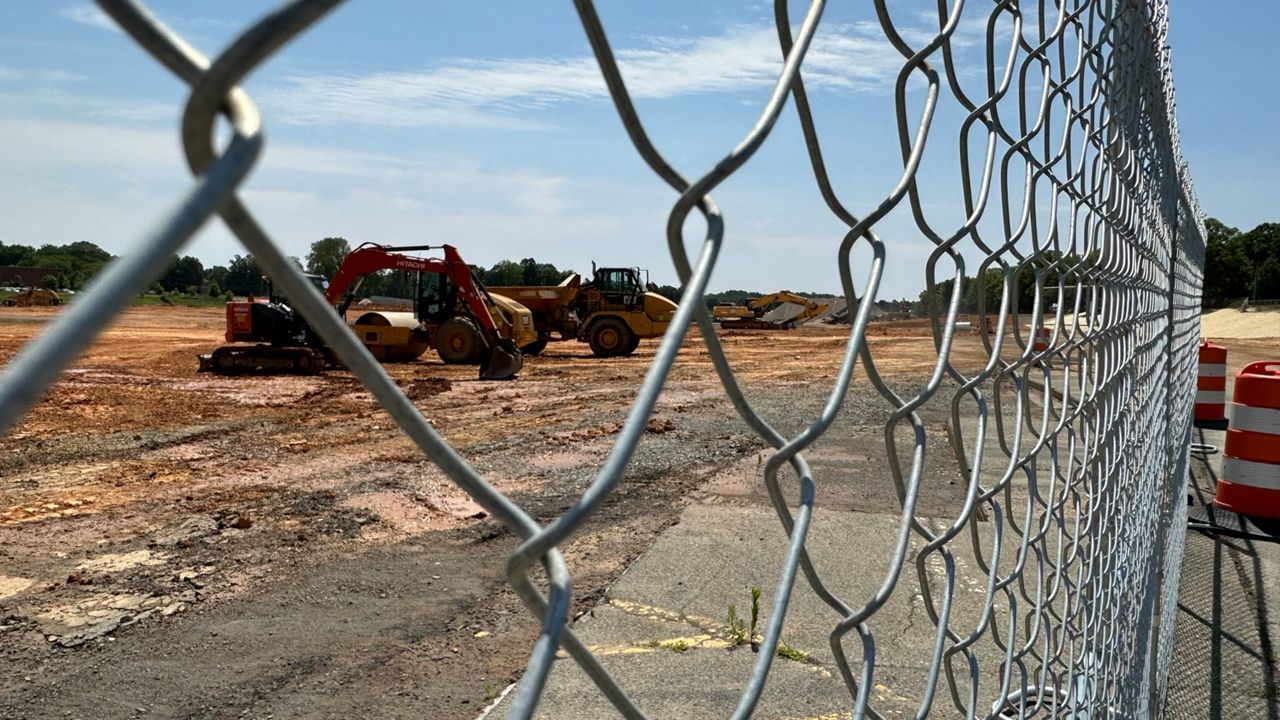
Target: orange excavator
<point>452,312</point>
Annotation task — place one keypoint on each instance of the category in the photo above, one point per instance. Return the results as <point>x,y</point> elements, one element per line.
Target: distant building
<point>31,276</point>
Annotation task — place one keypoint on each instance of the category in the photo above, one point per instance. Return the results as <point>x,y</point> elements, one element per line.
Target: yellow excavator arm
<point>811,308</point>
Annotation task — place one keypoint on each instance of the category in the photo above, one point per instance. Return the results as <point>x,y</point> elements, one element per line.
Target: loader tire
<point>459,342</point>
<point>632,345</point>
<point>609,337</point>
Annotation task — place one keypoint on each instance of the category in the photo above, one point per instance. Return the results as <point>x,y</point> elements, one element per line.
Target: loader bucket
<point>502,362</point>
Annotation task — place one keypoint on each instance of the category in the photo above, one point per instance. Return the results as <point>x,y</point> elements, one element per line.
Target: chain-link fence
<point>1071,436</point>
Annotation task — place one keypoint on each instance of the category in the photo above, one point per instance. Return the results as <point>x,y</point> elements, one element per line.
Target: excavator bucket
<point>502,362</point>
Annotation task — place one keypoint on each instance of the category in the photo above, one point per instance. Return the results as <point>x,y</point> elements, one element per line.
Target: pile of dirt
<point>33,297</point>
<point>1231,323</point>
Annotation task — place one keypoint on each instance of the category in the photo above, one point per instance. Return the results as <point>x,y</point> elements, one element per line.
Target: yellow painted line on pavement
<point>714,636</point>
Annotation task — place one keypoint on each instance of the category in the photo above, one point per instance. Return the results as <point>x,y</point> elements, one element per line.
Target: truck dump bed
<point>542,299</point>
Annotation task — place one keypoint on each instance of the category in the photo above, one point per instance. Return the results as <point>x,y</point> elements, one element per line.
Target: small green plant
<point>755,616</point>
<point>737,628</point>
<point>677,645</point>
<point>786,652</point>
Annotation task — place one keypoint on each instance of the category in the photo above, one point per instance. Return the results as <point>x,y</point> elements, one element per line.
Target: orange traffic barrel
<point>1211,384</point>
<point>1040,342</point>
<point>1250,482</point>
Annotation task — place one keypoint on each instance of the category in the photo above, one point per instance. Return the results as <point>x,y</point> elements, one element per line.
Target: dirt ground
<point>1261,322</point>
<point>184,545</point>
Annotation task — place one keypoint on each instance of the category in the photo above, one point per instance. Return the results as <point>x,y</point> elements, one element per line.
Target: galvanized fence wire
<point>1073,445</point>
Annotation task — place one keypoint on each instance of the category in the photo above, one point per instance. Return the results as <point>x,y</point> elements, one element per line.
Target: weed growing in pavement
<point>677,645</point>
<point>740,633</point>
<point>737,628</point>
<point>786,652</point>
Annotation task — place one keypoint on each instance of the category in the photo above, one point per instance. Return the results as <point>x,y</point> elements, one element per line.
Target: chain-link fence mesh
<point>1071,437</point>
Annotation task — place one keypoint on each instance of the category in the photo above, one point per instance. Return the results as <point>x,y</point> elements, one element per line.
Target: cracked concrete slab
<point>664,630</point>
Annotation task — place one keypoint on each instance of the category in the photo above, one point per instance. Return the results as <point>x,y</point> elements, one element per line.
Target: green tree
<point>1267,280</point>
<point>184,272</point>
<point>243,276</point>
<point>49,282</point>
<point>505,272</point>
<point>16,255</point>
<point>1227,266</point>
<point>533,272</point>
<point>216,275</point>
<point>326,255</point>
<point>214,289</point>
<point>670,292</point>
<point>1262,244</point>
<point>529,266</point>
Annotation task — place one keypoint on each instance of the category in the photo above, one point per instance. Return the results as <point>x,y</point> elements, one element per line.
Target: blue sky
<point>485,125</point>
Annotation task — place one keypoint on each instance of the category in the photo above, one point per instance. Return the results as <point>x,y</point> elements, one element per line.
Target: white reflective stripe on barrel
<point>1254,474</point>
<point>1213,370</point>
<point>1211,397</point>
<point>1255,419</point>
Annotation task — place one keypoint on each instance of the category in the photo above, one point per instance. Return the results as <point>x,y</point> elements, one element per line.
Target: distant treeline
<point>75,263</point>
<point>1237,265</point>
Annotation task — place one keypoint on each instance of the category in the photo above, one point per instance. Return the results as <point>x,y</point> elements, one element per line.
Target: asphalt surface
<point>663,629</point>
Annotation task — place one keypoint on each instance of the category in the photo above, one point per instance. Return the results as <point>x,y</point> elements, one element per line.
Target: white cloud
<point>493,92</point>
<point>10,74</point>
<point>89,15</point>
<point>116,176</point>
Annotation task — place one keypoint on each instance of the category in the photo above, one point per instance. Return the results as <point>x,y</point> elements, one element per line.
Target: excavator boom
<point>501,357</point>
<point>371,258</point>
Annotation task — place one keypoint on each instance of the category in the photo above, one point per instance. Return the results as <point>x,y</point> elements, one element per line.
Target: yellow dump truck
<point>612,313</point>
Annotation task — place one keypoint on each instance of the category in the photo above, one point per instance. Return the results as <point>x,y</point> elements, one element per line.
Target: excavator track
<point>263,360</point>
